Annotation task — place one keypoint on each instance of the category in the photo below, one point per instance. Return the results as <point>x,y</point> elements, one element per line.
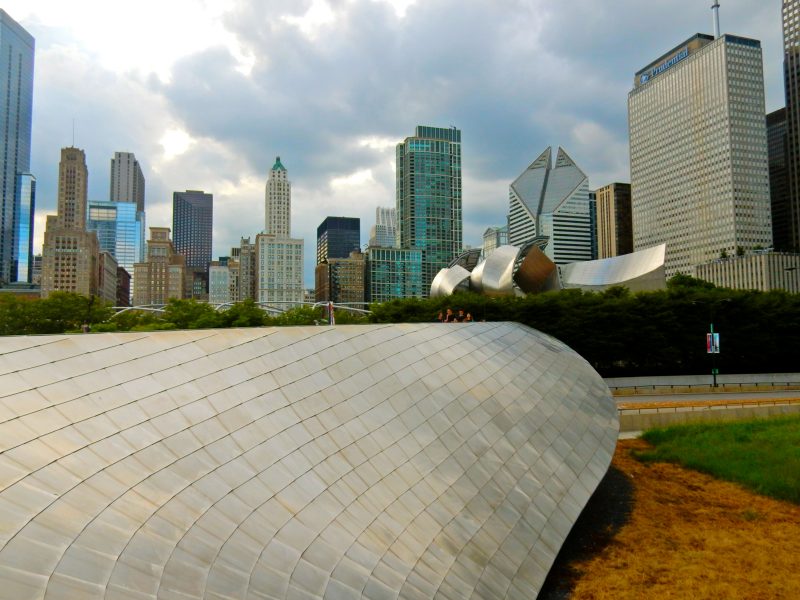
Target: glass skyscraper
<point>16,104</point>
<point>192,225</point>
<point>120,231</point>
<point>428,196</point>
<point>337,237</point>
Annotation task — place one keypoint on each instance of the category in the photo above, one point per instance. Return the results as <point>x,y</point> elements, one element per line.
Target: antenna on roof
<point>715,10</point>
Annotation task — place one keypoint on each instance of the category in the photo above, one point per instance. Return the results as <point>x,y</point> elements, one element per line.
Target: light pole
<point>712,337</point>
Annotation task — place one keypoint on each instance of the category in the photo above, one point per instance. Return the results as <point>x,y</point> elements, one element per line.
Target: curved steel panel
<point>642,270</point>
<point>476,278</point>
<point>537,273</point>
<point>410,461</point>
<point>436,284</point>
<point>498,271</point>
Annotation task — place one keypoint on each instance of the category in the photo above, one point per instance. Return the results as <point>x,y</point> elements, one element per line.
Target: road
<point>701,397</point>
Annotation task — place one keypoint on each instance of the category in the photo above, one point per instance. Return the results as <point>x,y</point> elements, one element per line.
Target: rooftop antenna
<point>715,10</point>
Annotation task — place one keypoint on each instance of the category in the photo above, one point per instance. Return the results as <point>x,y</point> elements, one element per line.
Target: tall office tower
<point>278,201</point>
<point>163,273</point>
<point>219,283</point>
<point>70,252</point>
<point>120,230</point>
<point>107,277</point>
<point>428,196</point>
<point>791,81</point>
<point>493,238</point>
<point>192,227</point>
<point>278,258</point>
<point>778,152</point>
<point>337,237</point>
<point>384,233</point>
<point>614,220</point>
<point>549,203</point>
<point>127,180</point>
<point>698,151</point>
<point>16,106</point>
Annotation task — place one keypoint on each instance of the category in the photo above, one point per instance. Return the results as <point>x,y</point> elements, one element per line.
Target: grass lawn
<point>762,455</point>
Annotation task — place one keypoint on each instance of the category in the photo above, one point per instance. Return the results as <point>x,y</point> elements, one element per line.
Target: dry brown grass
<point>692,536</point>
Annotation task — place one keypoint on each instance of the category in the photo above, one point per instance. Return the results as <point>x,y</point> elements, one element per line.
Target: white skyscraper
<point>278,202</point>
<point>383,234</point>
<point>127,180</point>
<point>550,203</point>
<point>279,258</point>
<point>698,149</point>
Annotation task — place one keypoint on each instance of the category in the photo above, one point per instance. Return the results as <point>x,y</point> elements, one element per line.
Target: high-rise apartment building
<point>17,186</point>
<point>246,255</point>
<point>384,232</point>
<point>163,273</point>
<point>614,220</point>
<point>698,151</point>
<point>278,201</point>
<point>192,227</point>
<point>70,253</point>
<point>337,237</point>
<point>394,273</point>
<point>428,197</point>
<point>791,80</point>
<point>127,180</point>
<point>778,153</point>
<point>278,257</point>
<point>549,203</point>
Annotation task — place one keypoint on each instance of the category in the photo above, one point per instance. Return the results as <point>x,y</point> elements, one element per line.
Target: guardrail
<point>693,388</point>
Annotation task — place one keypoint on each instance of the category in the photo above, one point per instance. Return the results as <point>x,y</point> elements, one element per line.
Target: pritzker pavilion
<point>383,461</point>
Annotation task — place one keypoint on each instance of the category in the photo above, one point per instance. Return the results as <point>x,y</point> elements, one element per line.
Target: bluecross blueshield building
<point>17,185</point>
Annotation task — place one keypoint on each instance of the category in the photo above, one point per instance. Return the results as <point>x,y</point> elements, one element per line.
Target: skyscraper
<point>614,221</point>
<point>337,237</point>
<point>192,227</point>
<point>278,201</point>
<point>778,150</point>
<point>127,180</point>
<point>70,253</point>
<point>162,275</point>
<point>428,196</point>
<point>550,203</point>
<point>279,258</point>
<point>384,233</point>
<point>17,186</point>
<point>698,151</point>
<point>791,80</point>
<point>120,231</point>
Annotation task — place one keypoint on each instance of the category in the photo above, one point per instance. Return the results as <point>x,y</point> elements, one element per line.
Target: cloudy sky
<point>207,92</point>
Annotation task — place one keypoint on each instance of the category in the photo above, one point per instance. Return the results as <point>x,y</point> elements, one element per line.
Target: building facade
<point>698,152</point>
<point>341,280</point>
<point>70,252</point>
<point>245,254</point>
<point>163,273</point>
<point>614,220</point>
<point>763,271</point>
<point>394,273</point>
<point>127,180</point>
<point>16,109</point>
<point>107,277</point>
<point>428,197</point>
<point>549,202</point>
<point>278,201</point>
<point>193,226</point>
<point>778,153</point>
<point>337,237</point>
<point>384,232</point>
<point>123,287</point>
<point>791,79</point>
<point>493,238</point>
<point>279,271</point>
<point>120,230</point>
<point>219,283</point>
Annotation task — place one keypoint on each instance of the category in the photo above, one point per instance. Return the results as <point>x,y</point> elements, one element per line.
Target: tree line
<point>618,332</point>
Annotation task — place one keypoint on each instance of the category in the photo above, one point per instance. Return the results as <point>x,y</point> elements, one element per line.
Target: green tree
<point>243,314</point>
<point>191,314</point>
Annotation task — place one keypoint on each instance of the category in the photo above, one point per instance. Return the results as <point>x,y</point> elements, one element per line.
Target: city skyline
<point>335,119</point>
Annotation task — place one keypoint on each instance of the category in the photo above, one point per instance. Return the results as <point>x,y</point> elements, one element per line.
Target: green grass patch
<point>763,455</point>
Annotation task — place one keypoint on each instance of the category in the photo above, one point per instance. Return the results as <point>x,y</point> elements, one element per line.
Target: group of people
<point>450,317</point>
